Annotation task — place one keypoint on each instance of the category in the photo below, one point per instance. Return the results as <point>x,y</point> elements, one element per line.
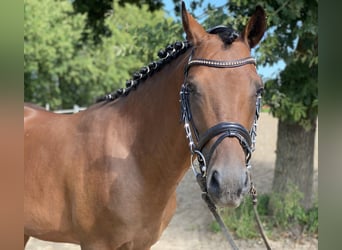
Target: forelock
<point>227,34</point>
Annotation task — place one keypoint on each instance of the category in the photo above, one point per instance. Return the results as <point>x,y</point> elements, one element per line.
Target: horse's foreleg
<point>26,238</point>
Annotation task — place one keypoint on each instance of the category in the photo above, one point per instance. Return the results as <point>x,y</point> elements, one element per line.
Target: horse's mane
<point>227,35</point>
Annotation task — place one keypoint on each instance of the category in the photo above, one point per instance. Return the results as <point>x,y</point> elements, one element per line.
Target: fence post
<point>76,108</point>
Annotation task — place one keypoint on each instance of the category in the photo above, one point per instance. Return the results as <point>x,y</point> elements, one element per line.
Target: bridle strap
<point>220,64</point>
<point>225,127</point>
<point>229,129</point>
<point>232,130</point>
<point>223,130</point>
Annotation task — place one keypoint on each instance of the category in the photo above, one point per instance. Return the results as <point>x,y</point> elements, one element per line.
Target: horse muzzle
<point>228,189</point>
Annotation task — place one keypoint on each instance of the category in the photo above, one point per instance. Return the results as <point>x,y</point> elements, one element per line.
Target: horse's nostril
<point>239,191</point>
<point>214,182</point>
<point>246,179</point>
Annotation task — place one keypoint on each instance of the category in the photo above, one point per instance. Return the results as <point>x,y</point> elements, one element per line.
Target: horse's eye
<point>191,88</point>
<point>260,92</point>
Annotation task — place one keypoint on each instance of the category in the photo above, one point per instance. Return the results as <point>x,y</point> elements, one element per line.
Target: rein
<point>223,130</point>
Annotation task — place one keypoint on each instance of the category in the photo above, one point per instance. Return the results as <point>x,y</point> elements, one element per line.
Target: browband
<point>221,64</point>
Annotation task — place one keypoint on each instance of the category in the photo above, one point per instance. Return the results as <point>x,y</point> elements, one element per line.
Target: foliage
<point>294,99</point>
<point>285,208</point>
<point>96,13</point>
<point>47,47</point>
<point>284,212</point>
<point>150,31</point>
<point>241,220</point>
<point>311,220</point>
<point>152,4</point>
<point>95,27</point>
<point>288,212</point>
<point>61,69</point>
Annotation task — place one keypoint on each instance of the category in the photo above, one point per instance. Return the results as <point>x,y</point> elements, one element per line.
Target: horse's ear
<point>193,30</point>
<point>255,27</point>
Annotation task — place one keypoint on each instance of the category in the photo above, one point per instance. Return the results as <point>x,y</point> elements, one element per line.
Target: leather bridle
<point>222,129</point>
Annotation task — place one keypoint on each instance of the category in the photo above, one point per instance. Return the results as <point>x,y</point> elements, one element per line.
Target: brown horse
<point>105,178</point>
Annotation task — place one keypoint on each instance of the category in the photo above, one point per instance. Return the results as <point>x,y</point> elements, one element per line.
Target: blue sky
<point>265,72</point>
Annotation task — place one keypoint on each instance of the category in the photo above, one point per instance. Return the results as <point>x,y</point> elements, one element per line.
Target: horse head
<point>221,90</point>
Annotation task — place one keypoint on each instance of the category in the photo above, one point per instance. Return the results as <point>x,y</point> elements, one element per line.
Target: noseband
<point>223,129</point>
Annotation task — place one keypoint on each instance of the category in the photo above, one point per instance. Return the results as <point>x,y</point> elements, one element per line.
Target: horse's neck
<point>152,112</point>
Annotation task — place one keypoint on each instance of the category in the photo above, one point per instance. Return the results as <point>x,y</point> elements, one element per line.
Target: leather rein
<point>222,130</point>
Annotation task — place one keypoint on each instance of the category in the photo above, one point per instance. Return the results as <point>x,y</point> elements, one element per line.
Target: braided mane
<point>227,35</point>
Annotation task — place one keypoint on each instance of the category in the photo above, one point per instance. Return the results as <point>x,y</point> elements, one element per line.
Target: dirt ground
<point>189,228</point>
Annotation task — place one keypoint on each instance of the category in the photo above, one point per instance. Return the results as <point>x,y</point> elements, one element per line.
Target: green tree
<point>95,25</point>
<point>61,69</point>
<point>292,96</point>
<point>149,31</point>
<point>50,38</point>
<point>96,13</point>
